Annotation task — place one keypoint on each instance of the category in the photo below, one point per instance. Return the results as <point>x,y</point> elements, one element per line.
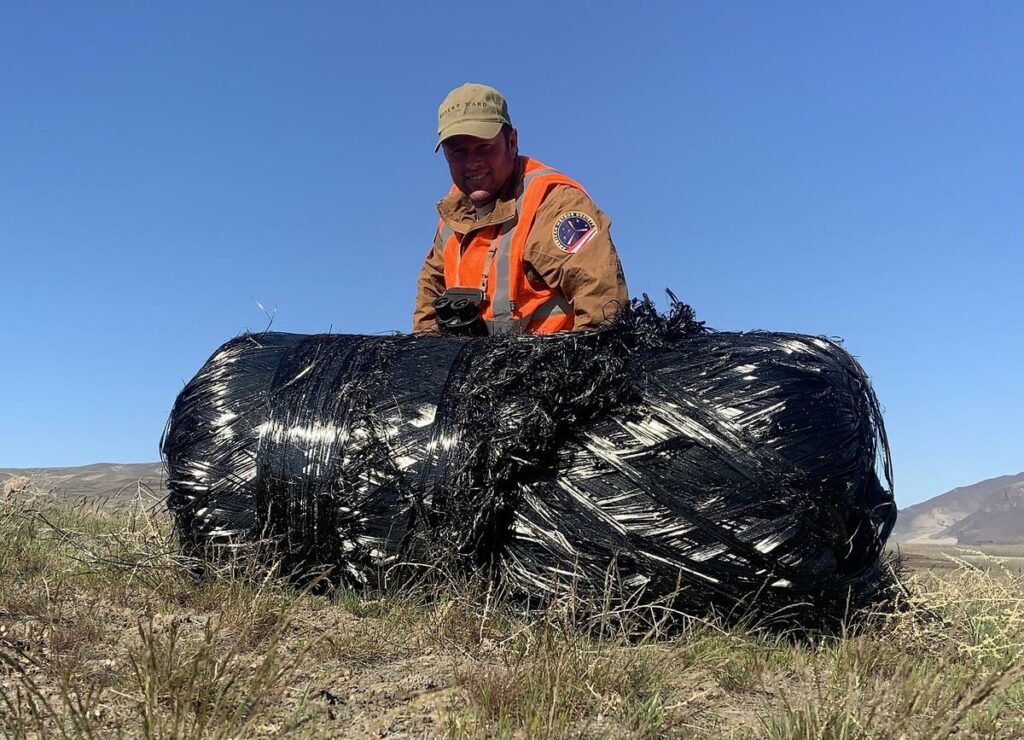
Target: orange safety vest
<point>491,258</point>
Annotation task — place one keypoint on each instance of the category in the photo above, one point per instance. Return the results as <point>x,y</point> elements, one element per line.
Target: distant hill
<point>110,481</point>
<point>988,512</point>
<point>999,520</point>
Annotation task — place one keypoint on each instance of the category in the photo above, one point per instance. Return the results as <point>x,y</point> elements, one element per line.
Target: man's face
<point>481,167</point>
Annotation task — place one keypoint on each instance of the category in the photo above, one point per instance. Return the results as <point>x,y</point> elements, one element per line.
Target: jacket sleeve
<point>429,286</point>
<point>591,278</point>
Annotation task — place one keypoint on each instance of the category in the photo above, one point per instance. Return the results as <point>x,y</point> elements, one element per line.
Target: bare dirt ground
<point>995,559</point>
<point>106,632</point>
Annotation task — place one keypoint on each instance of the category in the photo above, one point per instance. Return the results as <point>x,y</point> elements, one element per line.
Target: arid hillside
<point>97,482</point>
<point>988,512</point>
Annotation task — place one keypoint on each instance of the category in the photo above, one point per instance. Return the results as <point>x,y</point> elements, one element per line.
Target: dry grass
<point>105,632</point>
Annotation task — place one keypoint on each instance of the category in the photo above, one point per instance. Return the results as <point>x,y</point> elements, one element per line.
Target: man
<point>528,237</point>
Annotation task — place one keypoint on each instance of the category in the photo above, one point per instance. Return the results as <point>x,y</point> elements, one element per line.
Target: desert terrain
<point>105,630</point>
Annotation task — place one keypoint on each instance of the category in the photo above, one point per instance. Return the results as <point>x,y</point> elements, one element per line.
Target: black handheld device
<point>457,312</point>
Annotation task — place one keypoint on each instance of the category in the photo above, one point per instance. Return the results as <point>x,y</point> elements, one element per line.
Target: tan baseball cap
<point>474,110</point>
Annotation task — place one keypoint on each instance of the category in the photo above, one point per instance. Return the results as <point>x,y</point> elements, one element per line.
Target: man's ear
<point>513,142</point>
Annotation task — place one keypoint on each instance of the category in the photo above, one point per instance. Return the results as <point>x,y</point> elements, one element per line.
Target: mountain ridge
<point>985,512</point>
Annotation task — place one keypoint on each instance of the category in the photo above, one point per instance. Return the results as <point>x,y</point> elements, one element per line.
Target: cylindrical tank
<point>745,472</point>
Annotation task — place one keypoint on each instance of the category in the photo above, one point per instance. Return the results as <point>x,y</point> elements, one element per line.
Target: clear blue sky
<point>854,170</point>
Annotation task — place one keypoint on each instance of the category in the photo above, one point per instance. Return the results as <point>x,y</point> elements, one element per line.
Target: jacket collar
<point>456,209</point>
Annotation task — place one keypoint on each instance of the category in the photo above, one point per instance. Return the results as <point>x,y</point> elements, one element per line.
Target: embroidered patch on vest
<point>573,230</point>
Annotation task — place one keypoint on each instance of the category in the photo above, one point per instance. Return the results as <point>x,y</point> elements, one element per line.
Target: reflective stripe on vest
<point>507,261</point>
<point>501,306</point>
<point>447,232</point>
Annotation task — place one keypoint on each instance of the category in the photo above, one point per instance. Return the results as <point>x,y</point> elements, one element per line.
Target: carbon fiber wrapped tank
<point>656,460</point>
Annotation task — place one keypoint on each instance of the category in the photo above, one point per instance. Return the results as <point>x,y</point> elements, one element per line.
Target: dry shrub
<point>17,485</point>
<point>948,659</point>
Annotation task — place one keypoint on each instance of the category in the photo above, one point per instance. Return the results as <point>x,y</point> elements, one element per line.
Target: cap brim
<point>477,129</point>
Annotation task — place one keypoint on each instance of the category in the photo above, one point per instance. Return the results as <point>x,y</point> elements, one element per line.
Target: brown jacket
<point>591,279</point>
